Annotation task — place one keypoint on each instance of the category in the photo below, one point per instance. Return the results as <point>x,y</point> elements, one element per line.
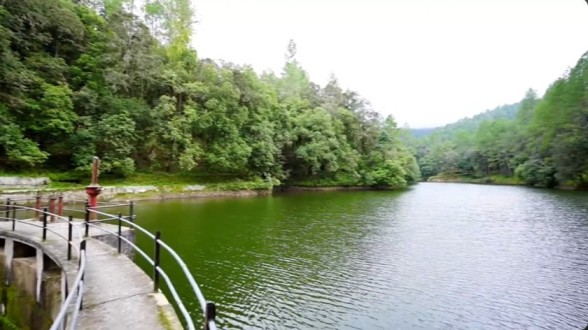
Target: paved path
<point>118,294</point>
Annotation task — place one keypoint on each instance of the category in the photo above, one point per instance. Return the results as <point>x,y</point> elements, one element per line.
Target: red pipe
<point>52,208</point>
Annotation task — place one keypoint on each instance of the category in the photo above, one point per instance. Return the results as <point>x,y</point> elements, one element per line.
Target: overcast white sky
<point>427,62</point>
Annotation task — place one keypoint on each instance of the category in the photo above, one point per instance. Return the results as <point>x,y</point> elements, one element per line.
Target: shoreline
<point>124,193</point>
<point>324,188</point>
<point>474,181</point>
<point>491,183</point>
<point>192,195</point>
<point>162,193</point>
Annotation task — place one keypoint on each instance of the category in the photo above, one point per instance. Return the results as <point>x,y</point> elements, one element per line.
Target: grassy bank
<point>167,182</point>
<point>338,181</point>
<point>164,185</point>
<point>495,179</point>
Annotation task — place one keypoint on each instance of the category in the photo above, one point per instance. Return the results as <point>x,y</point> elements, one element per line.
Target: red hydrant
<point>94,189</point>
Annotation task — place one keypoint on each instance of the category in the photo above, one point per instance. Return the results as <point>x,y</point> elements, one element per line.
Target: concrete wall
<point>133,192</point>
<point>112,240</point>
<point>107,193</point>
<point>32,285</point>
<point>18,181</point>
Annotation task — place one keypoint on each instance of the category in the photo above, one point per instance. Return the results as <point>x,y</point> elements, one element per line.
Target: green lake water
<point>437,256</point>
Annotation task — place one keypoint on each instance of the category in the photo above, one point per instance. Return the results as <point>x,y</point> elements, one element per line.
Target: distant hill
<point>470,124</point>
<point>420,132</point>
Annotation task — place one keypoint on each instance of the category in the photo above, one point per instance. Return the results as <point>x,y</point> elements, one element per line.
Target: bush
<point>256,184</point>
<point>391,174</point>
<point>537,172</point>
<point>70,176</point>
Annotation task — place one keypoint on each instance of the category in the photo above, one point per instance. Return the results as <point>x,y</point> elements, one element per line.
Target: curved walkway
<point>117,294</point>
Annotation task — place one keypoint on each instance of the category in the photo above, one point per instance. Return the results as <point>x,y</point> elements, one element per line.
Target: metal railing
<point>208,308</point>
<point>91,219</point>
<point>77,288</point>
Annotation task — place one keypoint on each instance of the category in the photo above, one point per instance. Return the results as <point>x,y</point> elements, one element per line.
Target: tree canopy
<point>118,79</point>
<point>541,141</point>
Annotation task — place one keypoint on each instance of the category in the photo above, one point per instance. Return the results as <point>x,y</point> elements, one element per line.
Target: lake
<point>436,256</point>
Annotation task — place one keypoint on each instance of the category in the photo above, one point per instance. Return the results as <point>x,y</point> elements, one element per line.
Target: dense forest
<point>539,141</point>
<point>119,80</point>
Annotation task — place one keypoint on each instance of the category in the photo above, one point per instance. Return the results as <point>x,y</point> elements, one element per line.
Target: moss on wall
<point>6,324</point>
<point>21,309</point>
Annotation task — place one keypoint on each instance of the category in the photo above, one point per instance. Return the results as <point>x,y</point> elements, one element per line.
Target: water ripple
<point>440,256</point>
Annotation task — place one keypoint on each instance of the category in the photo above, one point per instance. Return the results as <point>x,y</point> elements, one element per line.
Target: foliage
<point>545,143</point>
<point>236,185</point>
<point>6,324</point>
<point>119,80</point>
<point>390,175</point>
<point>537,172</point>
<point>341,180</point>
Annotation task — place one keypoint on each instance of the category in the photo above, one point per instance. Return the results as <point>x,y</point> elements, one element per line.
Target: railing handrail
<point>195,288</point>
<point>109,205</point>
<point>170,285</point>
<point>20,199</point>
<point>182,264</point>
<point>28,223</point>
<point>78,284</point>
<point>145,231</point>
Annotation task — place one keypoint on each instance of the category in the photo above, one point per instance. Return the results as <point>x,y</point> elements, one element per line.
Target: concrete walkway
<point>117,295</point>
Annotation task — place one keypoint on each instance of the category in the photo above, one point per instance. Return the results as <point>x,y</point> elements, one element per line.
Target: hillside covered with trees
<point>507,111</point>
<point>539,141</point>
<point>107,78</point>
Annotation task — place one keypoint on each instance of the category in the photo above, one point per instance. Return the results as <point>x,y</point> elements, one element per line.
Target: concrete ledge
<point>19,181</point>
